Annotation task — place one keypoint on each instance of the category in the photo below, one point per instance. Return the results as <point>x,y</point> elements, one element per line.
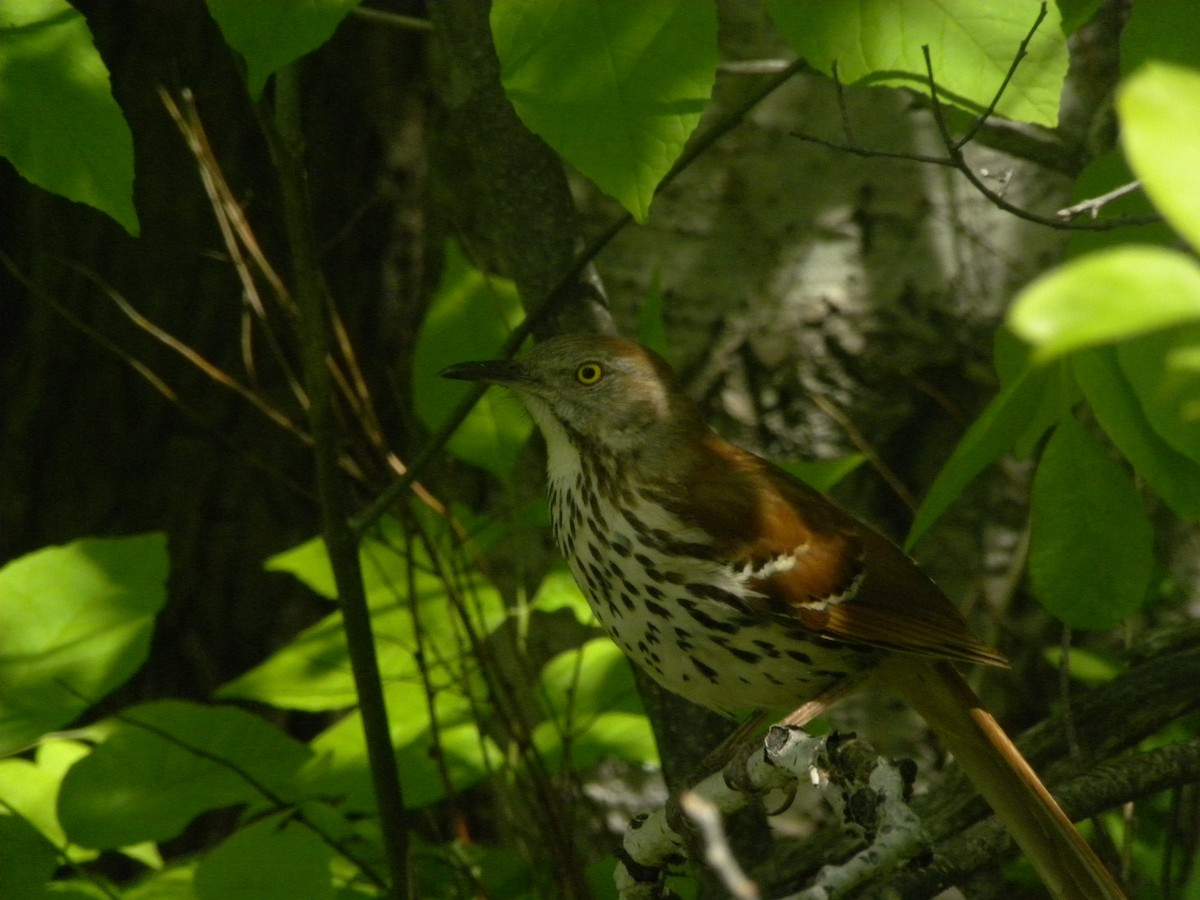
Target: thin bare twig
<point>1093,205</point>
<point>954,158</point>
<point>394,20</point>
<point>959,162</point>
<point>240,241</point>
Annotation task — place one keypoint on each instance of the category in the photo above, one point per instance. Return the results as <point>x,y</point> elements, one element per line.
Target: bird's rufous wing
<point>844,581</point>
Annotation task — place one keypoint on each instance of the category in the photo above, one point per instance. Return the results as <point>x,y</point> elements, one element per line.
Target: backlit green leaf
<point>1088,666</point>
<point>30,787</point>
<point>469,318</point>
<point>558,590</point>
<point>269,34</point>
<point>1159,111</point>
<point>462,753</point>
<point>594,708</point>
<point>412,610</point>
<point>614,86</point>
<point>971,44</point>
<point>75,623</point>
<point>1104,297</point>
<point>59,124</point>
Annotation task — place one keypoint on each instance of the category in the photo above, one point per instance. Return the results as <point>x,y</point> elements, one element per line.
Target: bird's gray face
<point>606,390</point>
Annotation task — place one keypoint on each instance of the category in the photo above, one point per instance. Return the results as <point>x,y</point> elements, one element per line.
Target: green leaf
<point>1159,111</point>
<point>1090,544</point>
<point>77,889</point>
<point>990,436</point>
<point>972,46</point>
<point>273,859</point>
<point>1160,31</point>
<point>312,672</point>
<point>823,474</point>
<point>1077,13</point>
<point>559,590</point>
<point>591,679</point>
<point>594,710</point>
<point>30,788</point>
<point>168,761</point>
<point>614,86</point>
<point>174,883</point>
<point>59,124</point>
<point>340,767</point>
<point>1059,396</point>
<point>381,566</point>
<point>75,623</point>
<point>1119,411</point>
<point>269,34</point>
<point>1105,297</point>
<point>27,859</point>
<point>1164,371</point>
<point>1088,666</point>
<point>468,319</point>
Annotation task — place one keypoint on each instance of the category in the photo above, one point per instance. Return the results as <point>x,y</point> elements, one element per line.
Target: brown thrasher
<point>740,588</point>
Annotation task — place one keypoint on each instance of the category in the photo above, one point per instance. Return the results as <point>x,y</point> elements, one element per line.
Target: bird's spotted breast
<point>677,610</point>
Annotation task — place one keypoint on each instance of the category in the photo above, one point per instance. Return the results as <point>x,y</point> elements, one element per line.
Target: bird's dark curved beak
<point>492,371</point>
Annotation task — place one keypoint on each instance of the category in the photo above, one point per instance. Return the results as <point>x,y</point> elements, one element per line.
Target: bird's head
<point>607,391</point>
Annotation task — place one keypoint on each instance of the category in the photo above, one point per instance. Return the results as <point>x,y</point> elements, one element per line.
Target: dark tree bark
<point>91,447</point>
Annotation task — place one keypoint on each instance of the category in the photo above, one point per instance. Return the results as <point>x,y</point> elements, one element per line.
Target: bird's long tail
<point>1063,859</point>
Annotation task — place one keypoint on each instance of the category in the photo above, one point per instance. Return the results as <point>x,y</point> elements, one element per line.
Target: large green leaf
<point>269,34</point>
<point>75,623</point>
<point>1164,371</point>
<point>27,859</point>
<point>593,708</point>
<point>971,44</point>
<point>168,761</point>
<point>412,610</point>
<point>274,859</point>
<point>1105,297</point>
<point>174,883</point>
<point>426,757</point>
<point>559,590</point>
<point>1090,543</point>
<point>1159,111</point>
<point>1162,30</point>
<point>468,319</point>
<point>59,124</point>
<point>614,86</point>
<point>30,788</point>
<point>1120,412</point>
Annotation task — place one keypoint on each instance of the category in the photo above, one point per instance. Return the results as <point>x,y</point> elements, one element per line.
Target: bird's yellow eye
<point>589,373</point>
